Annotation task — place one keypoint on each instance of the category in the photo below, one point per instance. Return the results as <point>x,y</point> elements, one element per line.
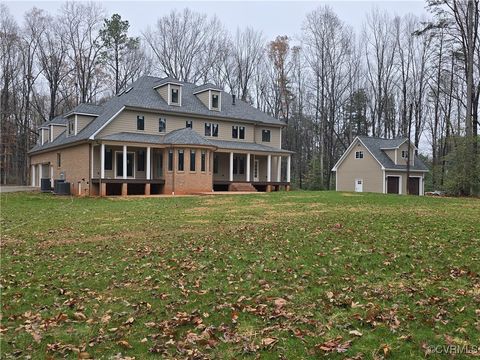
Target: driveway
<point>15,188</point>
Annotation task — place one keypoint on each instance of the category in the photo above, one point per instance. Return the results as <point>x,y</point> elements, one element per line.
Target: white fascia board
<point>92,137</point>
<point>348,151</point>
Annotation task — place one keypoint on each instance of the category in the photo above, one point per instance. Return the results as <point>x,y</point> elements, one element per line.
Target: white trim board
<point>349,149</point>
<point>92,137</point>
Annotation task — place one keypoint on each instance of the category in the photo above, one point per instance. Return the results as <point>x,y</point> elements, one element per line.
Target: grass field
<point>282,275</point>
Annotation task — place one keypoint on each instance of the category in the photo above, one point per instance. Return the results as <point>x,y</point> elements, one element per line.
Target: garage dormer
<point>171,91</point>
<point>210,96</point>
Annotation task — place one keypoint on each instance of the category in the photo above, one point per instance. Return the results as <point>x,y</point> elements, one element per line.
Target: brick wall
<point>188,182</point>
<point>74,163</point>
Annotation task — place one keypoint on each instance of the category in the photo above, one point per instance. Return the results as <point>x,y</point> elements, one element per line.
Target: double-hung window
<point>189,124</point>
<point>140,123</point>
<point>174,97</point>
<point>358,154</point>
<point>214,101</point>
<point>266,135</point>
<point>170,160</point>
<point>404,154</point>
<point>203,161</point>
<point>162,125</point>
<point>238,132</point>
<point>59,159</point>
<point>211,129</point>
<point>241,132</point>
<point>192,160</point>
<point>181,160</point>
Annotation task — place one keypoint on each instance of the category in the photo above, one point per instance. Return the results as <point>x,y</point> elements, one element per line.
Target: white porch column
<point>288,168</point>
<point>148,164</point>
<point>33,175</point>
<point>279,168</point>
<point>269,168</point>
<point>91,161</point>
<point>230,175</point>
<point>248,167</point>
<point>124,161</point>
<point>51,176</point>
<point>102,161</point>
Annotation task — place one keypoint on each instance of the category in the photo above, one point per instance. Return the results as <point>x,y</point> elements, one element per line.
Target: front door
<point>359,185</point>
<point>119,163</point>
<point>256,170</point>
<point>393,185</point>
<point>414,186</point>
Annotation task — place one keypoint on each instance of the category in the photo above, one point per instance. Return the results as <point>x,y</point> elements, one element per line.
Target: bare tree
<point>186,45</point>
<point>81,23</point>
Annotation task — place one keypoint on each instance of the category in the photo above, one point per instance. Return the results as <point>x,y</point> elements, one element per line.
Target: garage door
<point>392,185</point>
<point>414,186</point>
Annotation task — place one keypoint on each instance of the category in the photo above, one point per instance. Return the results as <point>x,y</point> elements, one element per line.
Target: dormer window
<point>214,101</point>
<point>71,127</point>
<point>404,154</point>
<point>189,124</point>
<point>174,99</point>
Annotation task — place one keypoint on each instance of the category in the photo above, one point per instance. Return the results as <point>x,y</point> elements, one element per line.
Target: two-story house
<point>373,164</point>
<point>163,136</point>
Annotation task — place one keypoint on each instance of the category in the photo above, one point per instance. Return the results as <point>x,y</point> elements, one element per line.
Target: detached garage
<point>372,164</point>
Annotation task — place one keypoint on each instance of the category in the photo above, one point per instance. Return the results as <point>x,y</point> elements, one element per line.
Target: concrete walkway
<point>15,188</point>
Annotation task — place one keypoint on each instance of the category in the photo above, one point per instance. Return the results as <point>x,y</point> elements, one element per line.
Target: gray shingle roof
<point>206,87</point>
<point>184,136</point>
<point>188,136</point>
<point>375,146</point>
<point>143,96</point>
<point>236,145</point>
<point>86,108</point>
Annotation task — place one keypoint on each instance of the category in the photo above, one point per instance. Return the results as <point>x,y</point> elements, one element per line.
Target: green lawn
<point>282,275</point>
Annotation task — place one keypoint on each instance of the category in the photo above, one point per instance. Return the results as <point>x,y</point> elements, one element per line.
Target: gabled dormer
<point>210,96</point>
<point>171,91</point>
<point>56,130</point>
<point>44,135</point>
<point>81,116</point>
<point>398,152</point>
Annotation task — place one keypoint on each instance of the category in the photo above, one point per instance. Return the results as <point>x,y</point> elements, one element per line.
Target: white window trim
<point>134,170</point>
<point>169,88</point>
<point>76,125</point>
<point>164,131</point>
<point>270,135</point>
<point>210,101</point>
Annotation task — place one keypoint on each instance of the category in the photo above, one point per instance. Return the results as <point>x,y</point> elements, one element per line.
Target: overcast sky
<point>272,17</point>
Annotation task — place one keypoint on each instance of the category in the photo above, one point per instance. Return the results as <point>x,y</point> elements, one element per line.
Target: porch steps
<point>244,187</point>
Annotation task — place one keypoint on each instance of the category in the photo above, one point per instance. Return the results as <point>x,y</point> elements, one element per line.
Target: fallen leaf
<point>79,316</point>
<point>269,342</point>
<point>355,332</point>
<point>124,343</point>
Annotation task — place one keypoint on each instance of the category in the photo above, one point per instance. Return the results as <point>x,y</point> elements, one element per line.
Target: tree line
<point>409,76</point>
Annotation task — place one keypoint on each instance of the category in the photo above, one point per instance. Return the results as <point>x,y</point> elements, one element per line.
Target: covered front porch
<point>121,169</point>
<point>261,171</point>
